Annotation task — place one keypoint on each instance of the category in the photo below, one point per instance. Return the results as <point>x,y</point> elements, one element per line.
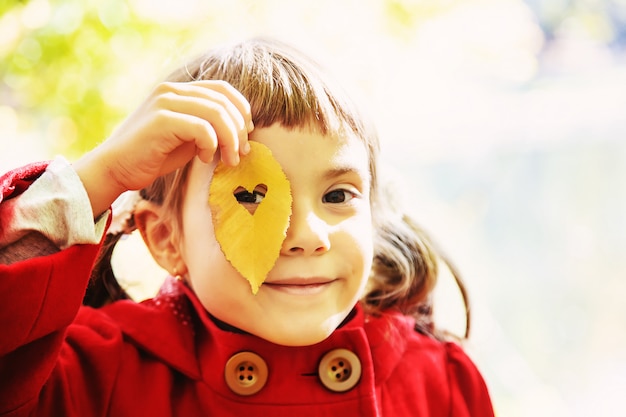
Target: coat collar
<point>175,328</point>
<point>163,326</point>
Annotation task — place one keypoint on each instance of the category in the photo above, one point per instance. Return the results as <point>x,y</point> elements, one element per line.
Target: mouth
<point>300,286</point>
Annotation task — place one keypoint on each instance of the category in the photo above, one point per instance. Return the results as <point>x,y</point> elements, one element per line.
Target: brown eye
<point>338,196</point>
<point>254,197</point>
<point>246,197</point>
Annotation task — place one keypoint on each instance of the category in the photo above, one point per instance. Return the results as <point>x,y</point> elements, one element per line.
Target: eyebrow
<point>333,173</point>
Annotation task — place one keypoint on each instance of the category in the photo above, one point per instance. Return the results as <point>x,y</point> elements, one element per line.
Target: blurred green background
<point>502,123</point>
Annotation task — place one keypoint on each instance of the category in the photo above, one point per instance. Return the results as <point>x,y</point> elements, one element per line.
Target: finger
<point>187,132</point>
<point>179,157</point>
<point>227,133</point>
<point>237,99</point>
<point>219,92</point>
<point>214,108</point>
<point>205,138</point>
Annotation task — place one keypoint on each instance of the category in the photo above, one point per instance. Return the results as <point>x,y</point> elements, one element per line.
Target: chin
<point>303,334</point>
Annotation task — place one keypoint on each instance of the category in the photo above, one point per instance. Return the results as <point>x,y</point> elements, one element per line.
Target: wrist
<point>100,184</point>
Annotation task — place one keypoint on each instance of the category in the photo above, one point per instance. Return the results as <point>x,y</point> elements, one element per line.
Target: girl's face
<point>325,259</point>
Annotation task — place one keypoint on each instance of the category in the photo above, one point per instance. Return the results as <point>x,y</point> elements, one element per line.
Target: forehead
<point>304,149</point>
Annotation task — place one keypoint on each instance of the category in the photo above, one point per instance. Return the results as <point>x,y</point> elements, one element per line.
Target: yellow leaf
<point>251,235</point>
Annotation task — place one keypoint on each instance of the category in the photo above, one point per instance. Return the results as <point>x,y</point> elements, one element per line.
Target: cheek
<point>199,249</point>
<point>198,234</point>
<point>218,286</point>
<point>358,243</point>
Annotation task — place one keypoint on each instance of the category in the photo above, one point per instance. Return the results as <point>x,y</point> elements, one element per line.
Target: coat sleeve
<point>48,202</point>
<point>39,298</point>
<point>469,393</point>
<point>14,182</point>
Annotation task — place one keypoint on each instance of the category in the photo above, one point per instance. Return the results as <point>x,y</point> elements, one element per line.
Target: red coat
<point>167,357</point>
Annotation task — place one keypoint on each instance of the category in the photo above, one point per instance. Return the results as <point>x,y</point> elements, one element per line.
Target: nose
<point>307,233</point>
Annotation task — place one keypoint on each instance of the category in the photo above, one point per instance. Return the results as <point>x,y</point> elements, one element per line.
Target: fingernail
<point>245,148</point>
<point>250,126</point>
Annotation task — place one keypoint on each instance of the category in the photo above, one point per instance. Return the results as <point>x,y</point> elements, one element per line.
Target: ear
<point>160,236</point>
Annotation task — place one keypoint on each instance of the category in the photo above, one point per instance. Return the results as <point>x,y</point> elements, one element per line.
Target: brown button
<point>245,373</point>
<point>339,370</point>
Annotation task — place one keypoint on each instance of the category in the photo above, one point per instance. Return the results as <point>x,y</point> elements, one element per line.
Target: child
<point>328,328</point>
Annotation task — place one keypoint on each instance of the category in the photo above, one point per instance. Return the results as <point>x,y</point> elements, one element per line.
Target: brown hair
<point>285,87</point>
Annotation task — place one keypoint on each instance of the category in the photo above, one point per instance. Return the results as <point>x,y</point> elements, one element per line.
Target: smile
<point>300,286</point>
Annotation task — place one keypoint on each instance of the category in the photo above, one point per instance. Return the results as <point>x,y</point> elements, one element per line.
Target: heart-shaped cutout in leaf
<point>250,200</point>
<point>251,243</point>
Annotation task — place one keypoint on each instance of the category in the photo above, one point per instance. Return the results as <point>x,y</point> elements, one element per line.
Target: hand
<point>175,123</point>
